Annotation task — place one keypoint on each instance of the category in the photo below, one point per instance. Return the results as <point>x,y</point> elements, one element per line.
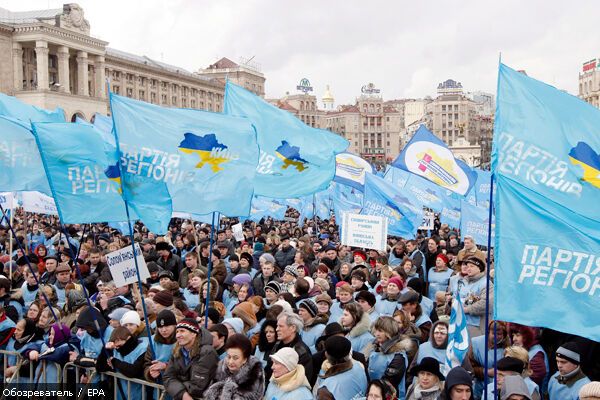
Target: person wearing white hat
<point>288,381</point>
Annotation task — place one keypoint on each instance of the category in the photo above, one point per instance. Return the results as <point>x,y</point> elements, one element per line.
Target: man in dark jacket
<point>193,364</point>
<point>285,255</point>
<point>289,326</point>
<point>167,260</point>
<point>262,278</point>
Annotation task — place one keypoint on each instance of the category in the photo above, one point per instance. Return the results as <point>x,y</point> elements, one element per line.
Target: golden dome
<point>327,96</point>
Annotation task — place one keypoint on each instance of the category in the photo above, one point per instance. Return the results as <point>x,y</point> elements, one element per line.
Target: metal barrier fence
<point>157,390</point>
<point>38,371</point>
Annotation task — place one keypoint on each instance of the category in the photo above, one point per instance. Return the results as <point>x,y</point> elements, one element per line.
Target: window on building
<point>443,107</point>
<point>184,103</point>
<point>174,100</point>
<point>455,115</point>
<point>163,99</point>
<point>387,134</point>
<point>456,107</point>
<point>388,142</point>
<point>153,98</point>
<point>142,95</point>
<point>129,92</point>
<point>193,103</point>
<point>201,105</point>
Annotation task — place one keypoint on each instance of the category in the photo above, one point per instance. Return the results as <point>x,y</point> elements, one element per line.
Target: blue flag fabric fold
<point>20,162</point>
<point>382,199</point>
<point>75,158</point>
<point>350,170</point>
<point>428,156</point>
<point>207,160</point>
<point>14,108</point>
<point>474,221</point>
<point>295,159</point>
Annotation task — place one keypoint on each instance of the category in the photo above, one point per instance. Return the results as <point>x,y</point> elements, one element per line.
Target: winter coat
<point>285,257</point>
<point>163,348</point>
<point>291,386</point>
<point>344,381</point>
<point>389,361</point>
<point>433,394</point>
<point>172,264</point>
<point>246,384</point>
<point>313,331</point>
<point>304,355</point>
<point>259,283</point>
<point>360,334</point>
<point>193,377</point>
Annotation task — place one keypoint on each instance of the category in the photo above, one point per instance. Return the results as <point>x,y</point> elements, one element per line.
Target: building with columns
<point>49,59</point>
<point>589,82</point>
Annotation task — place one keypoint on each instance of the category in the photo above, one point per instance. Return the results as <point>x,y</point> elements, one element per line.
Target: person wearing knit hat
<point>314,323</point>
<point>234,325</point>
<point>358,279</point>
<point>289,377</point>
<point>189,324</point>
<point>569,379</point>
<point>162,300</point>
<point>459,385</point>
<point>323,284</point>
<point>367,301</point>
<point>590,391</point>
<point>360,257</point>
<point>439,276</point>
<point>241,279</point>
<point>163,342</point>
<point>116,315</point>
<point>272,290</point>
<point>514,388</point>
<point>323,303</point>
<point>131,320</point>
<point>245,312</point>
<point>345,379</point>
<point>287,307</point>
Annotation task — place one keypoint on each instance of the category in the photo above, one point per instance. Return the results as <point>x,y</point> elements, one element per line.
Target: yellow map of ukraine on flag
<point>585,157</point>
<point>208,148</point>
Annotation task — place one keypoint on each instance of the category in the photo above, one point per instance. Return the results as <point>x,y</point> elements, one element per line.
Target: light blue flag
<point>207,160</point>
<point>295,159</point>
<point>383,199</point>
<point>451,214</point>
<point>14,108</point>
<point>398,177</point>
<point>263,207</point>
<point>428,156</point>
<point>316,205</point>
<point>474,221</point>
<point>345,199</point>
<point>480,192</point>
<point>458,337</point>
<point>547,270</point>
<point>21,167</point>
<point>350,170</point>
<point>75,158</point>
<point>103,122</point>
<point>548,141</point>
<point>428,194</point>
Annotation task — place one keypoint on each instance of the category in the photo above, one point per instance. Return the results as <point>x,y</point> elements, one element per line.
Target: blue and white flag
<point>14,108</point>
<point>547,168</point>
<point>21,167</point>
<point>474,221</point>
<point>350,170</point>
<point>458,337</point>
<point>480,192</point>
<point>428,156</point>
<point>75,158</point>
<point>207,160</point>
<point>295,159</point>
<point>451,214</point>
<point>398,177</point>
<point>383,199</point>
<point>345,199</point>
<point>548,141</point>
<point>263,207</point>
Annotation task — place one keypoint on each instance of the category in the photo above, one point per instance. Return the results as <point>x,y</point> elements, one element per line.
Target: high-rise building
<point>49,59</point>
<point>589,82</point>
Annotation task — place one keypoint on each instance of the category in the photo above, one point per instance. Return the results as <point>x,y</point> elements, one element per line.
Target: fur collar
<point>337,368</point>
<point>364,325</point>
<point>320,319</point>
<point>394,345</point>
<point>248,373</point>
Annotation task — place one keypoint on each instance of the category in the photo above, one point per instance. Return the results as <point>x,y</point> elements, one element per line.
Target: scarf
<point>419,393</point>
<point>292,380</point>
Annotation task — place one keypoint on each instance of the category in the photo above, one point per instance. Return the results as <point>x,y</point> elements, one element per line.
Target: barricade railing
<point>36,376</point>
<point>157,390</point>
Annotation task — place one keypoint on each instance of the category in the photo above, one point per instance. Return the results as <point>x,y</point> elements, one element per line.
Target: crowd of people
<point>286,313</point>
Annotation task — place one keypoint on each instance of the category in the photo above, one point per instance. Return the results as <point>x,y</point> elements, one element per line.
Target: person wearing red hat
<point>439,276</point>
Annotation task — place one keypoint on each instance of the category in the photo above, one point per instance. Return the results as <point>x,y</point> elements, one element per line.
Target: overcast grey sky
<point>404,48</point>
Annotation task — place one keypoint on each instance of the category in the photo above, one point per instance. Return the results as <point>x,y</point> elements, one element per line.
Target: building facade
<point>245,74</point>
<point>589,82</point>
<point>48,59</point>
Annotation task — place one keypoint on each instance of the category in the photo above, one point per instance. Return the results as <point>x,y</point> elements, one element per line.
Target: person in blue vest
<point>127,359</point>
<point>29,289</point>
<point>367,302</point>
<point>473,296</point>
<point>388,303</point>
<point>26,338</point>
<point>53,353</point>
<point>63,278</point>
<point>314,323</point>
<point>345,295</point>
<point>357,326</point>
<point>527,337</point>
<point>511,366</point>
<point>387,354</point>
<point>568,380</point>
<point>439,276</point>
<point>436,346</point>
<point>340,377</point>
<point>288,381</point>
<point>410,305</point>
<point>477,352</point>
<point>163,342</point>
<point>417,257</point>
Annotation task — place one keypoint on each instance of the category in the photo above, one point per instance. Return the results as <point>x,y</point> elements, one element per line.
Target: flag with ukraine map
<point>207,160</point>
<point>547,166</point>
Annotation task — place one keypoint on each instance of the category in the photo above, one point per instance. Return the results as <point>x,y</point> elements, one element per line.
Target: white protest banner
<point>122,266</point>
<point>428,221</point>
<point>40,203</point>
<point>238,232</point>
<point>368,231</point>
<point>7,200</point>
